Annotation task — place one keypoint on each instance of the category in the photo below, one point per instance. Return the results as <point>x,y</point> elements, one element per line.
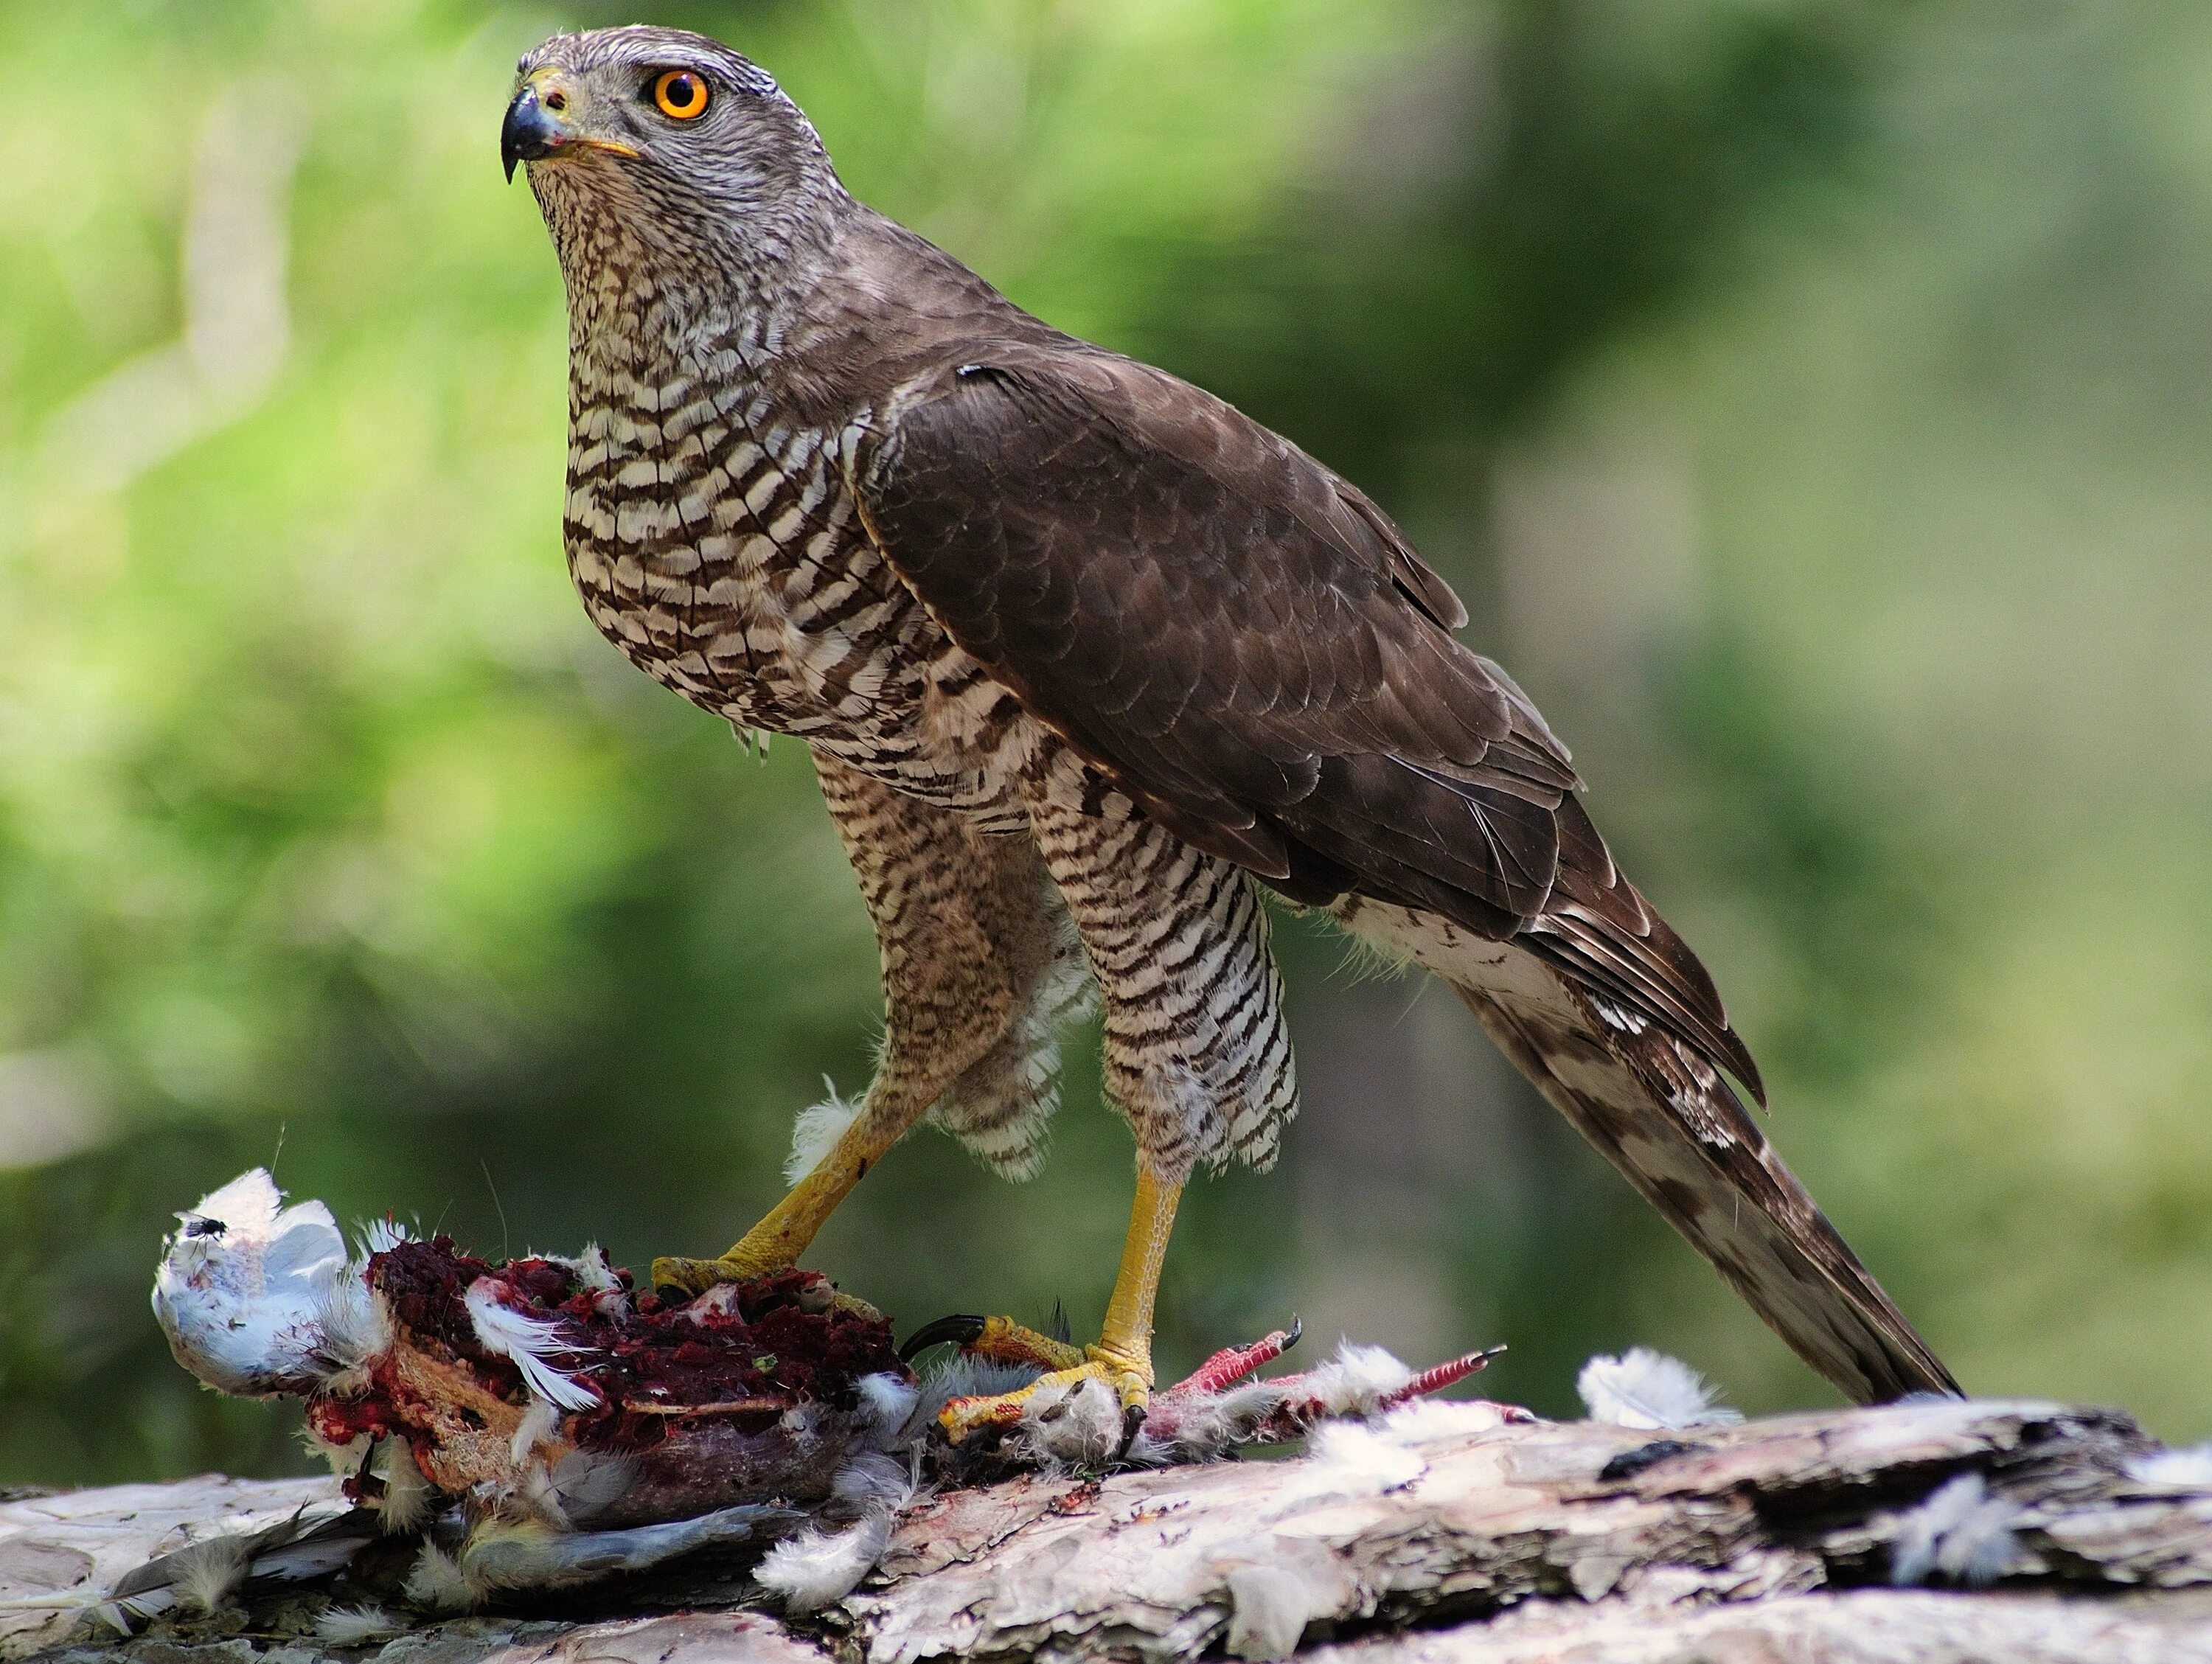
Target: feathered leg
<point>978,962</point>
<point>1197,1059</point>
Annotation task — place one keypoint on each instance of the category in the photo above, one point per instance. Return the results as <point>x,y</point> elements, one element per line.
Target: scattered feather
<point>436,1582</point>
<point>587,1482</point>
<point>353,1329</point>
<point>355,1626</point>
<point>342,1460</point>
<point>816,1130</point>
<point>596,1273</point>
<point>1348,1458</point>
<point>1962,1534</point>
<point>873,1479</point>
<point>539,1423</point>
<point>207,1574</point>
<point>307,1544</point>
<point>528,1341</point>
<point>817,1569</point>
<point>1647,1390</point>
<point>531,1498</point>
<point>382,1235</point>
<point>1357,1380</point>
<point>889,1404</point>
<point>1426,1419</point>
<point>405,1504</point>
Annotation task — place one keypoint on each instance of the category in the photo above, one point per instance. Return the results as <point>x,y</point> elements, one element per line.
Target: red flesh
<point>769,1353</point>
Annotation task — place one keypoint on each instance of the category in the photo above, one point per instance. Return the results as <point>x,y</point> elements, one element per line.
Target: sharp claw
<point>959,1329</point>
<point>1290,1335</point>
<point>1132,1418</point>
<point>672,1294</point>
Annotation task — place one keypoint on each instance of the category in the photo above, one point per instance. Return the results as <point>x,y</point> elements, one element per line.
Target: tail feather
<point>1659,1110</point>
<point>1676,1131</point>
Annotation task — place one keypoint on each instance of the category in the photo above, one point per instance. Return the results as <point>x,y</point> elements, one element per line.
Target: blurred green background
<point>1810,397</point>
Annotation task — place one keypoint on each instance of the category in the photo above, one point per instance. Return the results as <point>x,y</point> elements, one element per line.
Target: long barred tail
<point>1665,1117</point>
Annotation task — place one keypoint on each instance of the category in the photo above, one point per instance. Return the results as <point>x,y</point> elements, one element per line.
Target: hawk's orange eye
<point>681,94</point>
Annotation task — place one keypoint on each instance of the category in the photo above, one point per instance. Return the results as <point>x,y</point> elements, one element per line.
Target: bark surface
<point>1427,1541</point>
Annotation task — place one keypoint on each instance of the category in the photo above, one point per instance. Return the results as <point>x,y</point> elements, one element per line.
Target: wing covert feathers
<point>1249,649</point>
<point>1247,646</point>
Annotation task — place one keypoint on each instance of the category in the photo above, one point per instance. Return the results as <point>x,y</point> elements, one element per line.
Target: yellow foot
<point>1128,1376</point>
<point>680,1279</point>
<point>676,1280</point>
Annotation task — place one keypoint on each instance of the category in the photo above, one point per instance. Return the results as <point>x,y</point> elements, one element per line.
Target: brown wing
<point>1248,647</point>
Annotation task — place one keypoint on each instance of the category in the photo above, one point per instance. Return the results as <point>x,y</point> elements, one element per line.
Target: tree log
<point>1434,1539</point>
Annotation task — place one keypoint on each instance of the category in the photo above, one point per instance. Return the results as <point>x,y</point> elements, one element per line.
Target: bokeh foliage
<point>1810,397</point>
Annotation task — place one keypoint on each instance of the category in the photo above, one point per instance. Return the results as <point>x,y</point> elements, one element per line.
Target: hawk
<point>1091,666</point>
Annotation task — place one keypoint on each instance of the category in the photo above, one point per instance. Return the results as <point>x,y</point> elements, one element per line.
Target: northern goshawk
<point>1089,664</point>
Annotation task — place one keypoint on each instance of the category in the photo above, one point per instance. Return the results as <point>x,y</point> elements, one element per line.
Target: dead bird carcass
<point>541,1422</point>
<point>538,1402</point>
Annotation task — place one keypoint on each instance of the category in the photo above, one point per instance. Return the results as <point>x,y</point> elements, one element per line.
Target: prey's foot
<point>679,1281</point>
<point>1127,1375</point>
<point>676,1280</point>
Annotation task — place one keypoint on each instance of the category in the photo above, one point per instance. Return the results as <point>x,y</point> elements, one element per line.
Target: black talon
<point>1133,1418</point>
<point>673,1294</point>
<point>1298,1328</point>
<point>960,1330</point>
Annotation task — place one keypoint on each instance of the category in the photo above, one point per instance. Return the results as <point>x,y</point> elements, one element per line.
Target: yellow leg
<point>785,1231</point>
<point>1123,1355</point>
<point>1127,1337</point>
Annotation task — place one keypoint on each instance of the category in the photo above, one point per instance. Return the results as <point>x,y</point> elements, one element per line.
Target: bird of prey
<point>1090,665</point>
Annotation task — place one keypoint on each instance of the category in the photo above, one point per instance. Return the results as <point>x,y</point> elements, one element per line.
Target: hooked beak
<point>540,123</point>
<point>530,132</point>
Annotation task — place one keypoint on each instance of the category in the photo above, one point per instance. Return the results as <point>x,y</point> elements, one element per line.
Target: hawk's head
<point>674,137</point>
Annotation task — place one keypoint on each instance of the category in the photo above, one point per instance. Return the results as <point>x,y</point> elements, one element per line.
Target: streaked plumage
<point>1087,656</point>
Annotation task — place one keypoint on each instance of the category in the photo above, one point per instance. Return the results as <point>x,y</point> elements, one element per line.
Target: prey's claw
<point>959,1329</point>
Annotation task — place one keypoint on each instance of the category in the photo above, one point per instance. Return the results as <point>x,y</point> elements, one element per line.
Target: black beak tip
<point>529,131</point>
